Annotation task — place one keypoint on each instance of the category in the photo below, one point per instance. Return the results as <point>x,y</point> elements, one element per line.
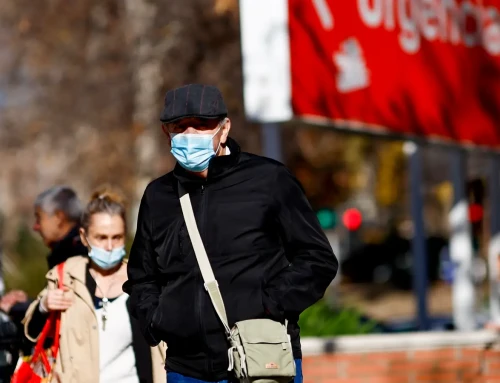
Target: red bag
<point>38,368</point>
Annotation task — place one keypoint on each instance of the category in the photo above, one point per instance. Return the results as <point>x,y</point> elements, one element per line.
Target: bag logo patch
<point>272,365</point>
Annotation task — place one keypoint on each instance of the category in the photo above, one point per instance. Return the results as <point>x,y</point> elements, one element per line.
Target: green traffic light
<point>475,243</point>
<point>327,218</point>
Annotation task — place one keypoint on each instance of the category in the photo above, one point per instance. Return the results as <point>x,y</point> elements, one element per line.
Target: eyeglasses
<point>196,123</point>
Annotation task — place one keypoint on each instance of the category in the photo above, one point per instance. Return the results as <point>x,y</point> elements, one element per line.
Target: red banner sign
<point>428,68</point>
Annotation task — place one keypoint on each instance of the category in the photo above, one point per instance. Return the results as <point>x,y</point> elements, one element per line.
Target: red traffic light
<point>475,213</point>
<point>352,219</point>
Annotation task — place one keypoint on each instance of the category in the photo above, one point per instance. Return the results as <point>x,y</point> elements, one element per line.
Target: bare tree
<point>145,67</point>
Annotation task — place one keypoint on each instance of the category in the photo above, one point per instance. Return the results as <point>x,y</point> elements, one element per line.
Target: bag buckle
<point>206,284</point>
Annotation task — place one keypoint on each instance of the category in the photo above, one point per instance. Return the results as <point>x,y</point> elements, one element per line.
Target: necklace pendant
<point>104,319</point>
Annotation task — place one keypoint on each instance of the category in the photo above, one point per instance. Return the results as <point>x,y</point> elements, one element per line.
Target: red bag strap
<point>39,351</point>
<point>52,326</point>
<point>55,346</point>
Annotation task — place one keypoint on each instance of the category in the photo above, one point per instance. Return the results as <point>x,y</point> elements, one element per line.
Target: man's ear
<point>225,131</point>
<point>60,217</point>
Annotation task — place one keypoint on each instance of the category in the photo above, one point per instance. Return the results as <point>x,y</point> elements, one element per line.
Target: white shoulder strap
<point>211,284</point>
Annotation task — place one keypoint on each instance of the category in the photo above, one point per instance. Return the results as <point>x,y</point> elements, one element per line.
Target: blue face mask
<point>105,259</point>
<point>193,151</point>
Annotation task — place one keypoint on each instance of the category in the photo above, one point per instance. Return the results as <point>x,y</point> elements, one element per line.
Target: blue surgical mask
<point>193,151</point>
<point>105,259</point>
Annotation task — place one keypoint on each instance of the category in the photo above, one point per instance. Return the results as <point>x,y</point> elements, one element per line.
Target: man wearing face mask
<point>263,241</point>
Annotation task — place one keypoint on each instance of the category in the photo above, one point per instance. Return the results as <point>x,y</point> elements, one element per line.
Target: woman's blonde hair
<point>105,199</point>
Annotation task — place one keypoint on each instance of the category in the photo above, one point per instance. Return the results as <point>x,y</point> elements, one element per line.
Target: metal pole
<point>334,298</point>
<point>418,243</point>
<point>494,244</point>
<point>271,141</point>
<point>461,252</point>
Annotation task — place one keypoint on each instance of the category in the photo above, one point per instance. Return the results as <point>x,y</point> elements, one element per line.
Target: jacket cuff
<point>150,333</point>
<point>151,337</point>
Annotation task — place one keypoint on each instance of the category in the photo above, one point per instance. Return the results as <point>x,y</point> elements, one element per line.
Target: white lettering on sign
<point>371,15</point>
<point>352,72</point>
<point>491,34</point>
<point>324,13</point>
<point>429,20</point>
<point>449,21</point>
<point>409,37</point>
<point>470,12</point>
<point>389,20</point>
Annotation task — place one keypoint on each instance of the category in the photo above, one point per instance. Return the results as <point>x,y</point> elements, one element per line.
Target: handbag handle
<point>53,323</point>
<point>60,283</point>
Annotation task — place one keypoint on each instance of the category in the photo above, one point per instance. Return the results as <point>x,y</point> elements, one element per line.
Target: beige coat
<point>78,358</point>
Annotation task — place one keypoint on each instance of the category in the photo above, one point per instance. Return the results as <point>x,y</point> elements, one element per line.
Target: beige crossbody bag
<point>260,349</point>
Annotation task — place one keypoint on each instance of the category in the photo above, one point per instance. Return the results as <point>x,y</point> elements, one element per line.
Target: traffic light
<point>352,219</point>
<point>476,194</point>
<point>327,218</point>
<point>475,213</point>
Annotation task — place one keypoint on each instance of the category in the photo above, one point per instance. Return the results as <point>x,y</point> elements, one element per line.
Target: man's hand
<point>58,300</point>
<point>11,298</point>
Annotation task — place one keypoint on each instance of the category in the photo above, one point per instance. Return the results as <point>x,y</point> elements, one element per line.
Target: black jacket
<point>69,246</point>
<point>267,249</point>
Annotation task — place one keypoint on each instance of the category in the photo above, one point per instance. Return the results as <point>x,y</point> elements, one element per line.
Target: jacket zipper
<point>201,296</point>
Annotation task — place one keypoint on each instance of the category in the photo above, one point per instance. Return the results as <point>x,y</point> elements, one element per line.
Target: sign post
<point>418,242</point>
<point>271,141</point>
<point>461,252</point>
<point>494,245</point>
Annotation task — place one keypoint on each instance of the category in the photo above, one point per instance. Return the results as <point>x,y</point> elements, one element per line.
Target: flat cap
<point>194,100</point>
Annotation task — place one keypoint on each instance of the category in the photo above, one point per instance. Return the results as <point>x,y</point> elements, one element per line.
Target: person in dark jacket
<point>266,247</point>
<point>57,218</point>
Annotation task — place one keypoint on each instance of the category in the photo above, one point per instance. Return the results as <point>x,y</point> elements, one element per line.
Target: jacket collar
<point>218,167</point>
<point>75,275</point>
<point>74,267</point>
<point>67,247</point>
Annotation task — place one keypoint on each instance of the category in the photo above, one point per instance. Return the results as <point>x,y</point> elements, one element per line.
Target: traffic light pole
<point>461,252</point>
<point>494,243</point>
<point>271,141</point>
<point>418,243</point>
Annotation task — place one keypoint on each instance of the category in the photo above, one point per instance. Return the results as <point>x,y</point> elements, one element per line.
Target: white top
<point>116,354</point>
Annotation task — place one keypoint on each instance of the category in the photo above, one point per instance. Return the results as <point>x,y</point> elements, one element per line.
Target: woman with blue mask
<point>100,340</point>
